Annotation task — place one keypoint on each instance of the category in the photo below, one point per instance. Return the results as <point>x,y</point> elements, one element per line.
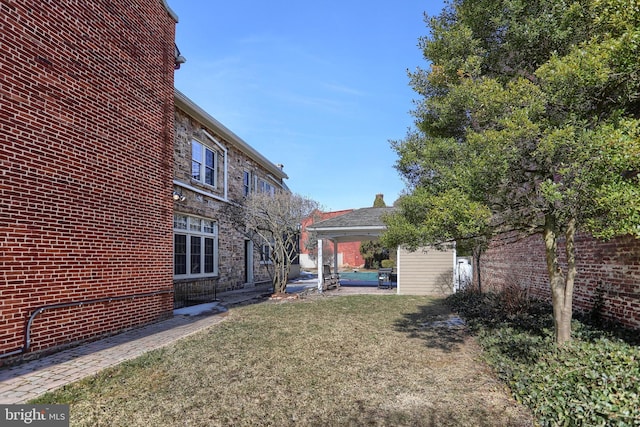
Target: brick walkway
<point>31,379</point>
<point>28,380</point>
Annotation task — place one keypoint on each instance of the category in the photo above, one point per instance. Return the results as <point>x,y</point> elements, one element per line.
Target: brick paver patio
<point>28,380</point>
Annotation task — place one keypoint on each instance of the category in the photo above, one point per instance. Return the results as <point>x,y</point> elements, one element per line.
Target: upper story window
<point>204,164</point>
<point>265,187</point>
<point>247,183</point>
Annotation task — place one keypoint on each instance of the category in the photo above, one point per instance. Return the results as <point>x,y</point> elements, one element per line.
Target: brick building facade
<point>86,169</point>
<point>608,279</point>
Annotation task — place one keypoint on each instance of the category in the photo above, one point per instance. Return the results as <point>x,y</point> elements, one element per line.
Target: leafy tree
<point>374,252</point>
<point>273,220</point>
<point>379,201</point>
<point>527,123</point>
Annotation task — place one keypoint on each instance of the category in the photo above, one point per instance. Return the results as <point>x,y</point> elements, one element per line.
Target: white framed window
<point>195,246</point>
<point>265,254</point>
<point>204,164</point>
<point>265,187</point>
<point>247,183</point>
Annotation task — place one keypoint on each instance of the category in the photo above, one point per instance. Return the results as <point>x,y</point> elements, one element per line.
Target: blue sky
<point>320,87</point>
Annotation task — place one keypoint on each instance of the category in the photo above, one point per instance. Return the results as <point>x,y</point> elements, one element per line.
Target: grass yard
<point>356,360</point>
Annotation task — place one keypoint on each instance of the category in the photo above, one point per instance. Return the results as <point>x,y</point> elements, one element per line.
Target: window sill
<point>191,278</point>
<point>208,187</point>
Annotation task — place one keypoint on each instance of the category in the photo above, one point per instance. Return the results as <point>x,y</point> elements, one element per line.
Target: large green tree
<point>528,123</point>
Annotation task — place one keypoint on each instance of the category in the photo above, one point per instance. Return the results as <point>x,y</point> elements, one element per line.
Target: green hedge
<point>387,263</point>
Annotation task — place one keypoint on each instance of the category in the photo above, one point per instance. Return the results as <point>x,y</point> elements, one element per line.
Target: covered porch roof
<point>360,224</point>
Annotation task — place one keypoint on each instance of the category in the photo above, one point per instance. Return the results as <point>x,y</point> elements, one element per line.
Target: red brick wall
<point>350,250</point>
<point>351,256</point>
<point>86,164</point>
<point>608,273</point>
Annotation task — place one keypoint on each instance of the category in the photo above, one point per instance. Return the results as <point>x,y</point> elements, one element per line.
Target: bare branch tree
<point>274,220</point>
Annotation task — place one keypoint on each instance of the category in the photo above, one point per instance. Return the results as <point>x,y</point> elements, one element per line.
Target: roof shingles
<point>365,217</point>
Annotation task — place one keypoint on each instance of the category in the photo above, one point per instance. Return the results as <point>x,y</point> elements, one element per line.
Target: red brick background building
<point>86,168</point>
<point>349,251</point>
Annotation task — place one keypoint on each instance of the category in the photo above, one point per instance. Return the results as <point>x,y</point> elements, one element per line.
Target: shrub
<point>594,380</point>
<point>387,263</point>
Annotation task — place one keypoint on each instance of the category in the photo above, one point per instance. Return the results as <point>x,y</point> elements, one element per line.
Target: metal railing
<point>193,293</point>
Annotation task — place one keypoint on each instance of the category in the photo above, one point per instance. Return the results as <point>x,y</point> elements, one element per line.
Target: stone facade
<point>86,164</point>
<point>238,261</point>
<point>607,283</point>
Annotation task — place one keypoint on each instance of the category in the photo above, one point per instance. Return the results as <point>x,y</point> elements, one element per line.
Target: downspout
<point>27,329</point>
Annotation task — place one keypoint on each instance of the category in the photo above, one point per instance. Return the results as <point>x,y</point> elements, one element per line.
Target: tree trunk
<point>278,282</point>
<point>571,275</point>
<point>561,286</point>
<point>477,251</point>
<point>282,267</point>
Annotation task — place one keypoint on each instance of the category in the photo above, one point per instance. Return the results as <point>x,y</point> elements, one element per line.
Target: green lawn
<point>323,361</point>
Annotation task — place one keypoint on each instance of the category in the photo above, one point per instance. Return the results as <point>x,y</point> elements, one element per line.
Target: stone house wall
<point>208,202</point>
<point>86,163</point>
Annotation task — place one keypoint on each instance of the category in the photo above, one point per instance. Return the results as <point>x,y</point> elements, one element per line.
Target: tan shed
<point>427,271</point>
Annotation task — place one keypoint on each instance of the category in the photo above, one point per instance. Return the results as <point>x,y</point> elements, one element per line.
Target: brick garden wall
<point>608,277</point>
<point>86,163</point>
